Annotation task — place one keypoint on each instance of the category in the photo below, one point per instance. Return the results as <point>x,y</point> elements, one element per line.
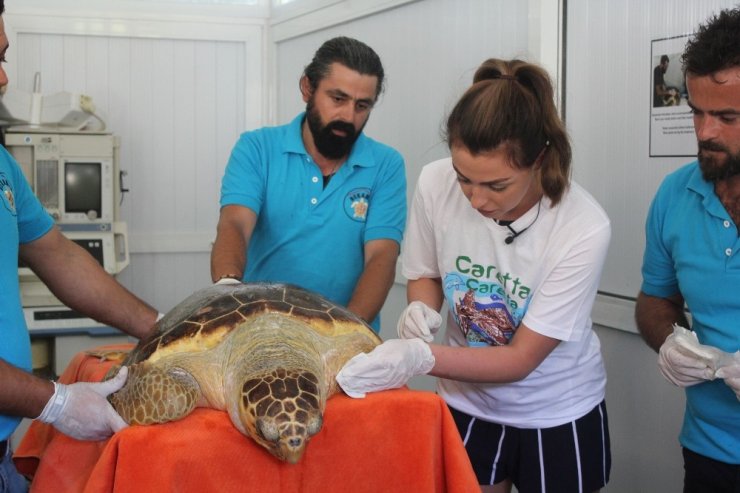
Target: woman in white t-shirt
<point>516,249</point>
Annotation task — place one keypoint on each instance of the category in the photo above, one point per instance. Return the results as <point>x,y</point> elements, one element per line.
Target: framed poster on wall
<point>671,124</point>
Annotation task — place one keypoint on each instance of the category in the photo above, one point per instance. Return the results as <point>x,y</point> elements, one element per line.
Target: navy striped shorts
<point>569,458</point>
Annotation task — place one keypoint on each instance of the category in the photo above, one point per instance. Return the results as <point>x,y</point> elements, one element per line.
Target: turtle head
<point>287,440</point>
<point>282,411</point>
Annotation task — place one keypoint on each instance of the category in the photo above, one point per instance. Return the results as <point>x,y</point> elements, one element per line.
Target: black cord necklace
<point>514,233</point>
<point>328,177</point>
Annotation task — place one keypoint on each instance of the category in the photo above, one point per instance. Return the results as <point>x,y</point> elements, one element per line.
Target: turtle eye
<point>314,425</point>
<point>268,430</point>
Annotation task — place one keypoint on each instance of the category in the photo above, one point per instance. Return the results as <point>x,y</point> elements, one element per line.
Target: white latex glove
<point>228,280</point>
<point>730,372</point>
<point>388,366</point>
<point>419,320</point>
<point>684,362</point>
<point>82,411</point>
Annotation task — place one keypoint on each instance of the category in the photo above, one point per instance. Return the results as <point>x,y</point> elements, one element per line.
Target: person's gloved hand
<point>730,372</point>
<point>388,366</point>
<point>683,361</point>
<point>82,411</point>
<point>228,280</point>
<point>419,320</point>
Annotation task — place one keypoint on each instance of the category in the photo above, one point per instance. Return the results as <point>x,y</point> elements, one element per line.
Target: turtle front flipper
<point>152,395</point>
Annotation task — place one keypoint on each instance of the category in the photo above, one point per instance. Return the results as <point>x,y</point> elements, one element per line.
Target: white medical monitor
<point>72,174</point>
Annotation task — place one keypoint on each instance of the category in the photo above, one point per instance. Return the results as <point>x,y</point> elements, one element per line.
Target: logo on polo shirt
<point>357,203</point>
<point>7,196</point>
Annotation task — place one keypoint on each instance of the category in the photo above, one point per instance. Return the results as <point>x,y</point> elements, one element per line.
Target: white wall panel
<point>167,278</point>
<point>178,98</point>
<point>157,95</point>
<point>162,9</point>
<point>184,139</point>
<point>117,91</point>
<point>149,187</point>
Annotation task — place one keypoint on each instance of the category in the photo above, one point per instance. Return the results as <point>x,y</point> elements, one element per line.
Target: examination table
<point>392,441</point>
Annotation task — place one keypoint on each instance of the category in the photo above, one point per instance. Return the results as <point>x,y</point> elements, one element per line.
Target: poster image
<point>671,123</point>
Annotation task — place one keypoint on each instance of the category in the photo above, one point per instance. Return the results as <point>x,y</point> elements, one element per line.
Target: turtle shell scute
<point>229,322</point>
<point>181,331</point>
<point>312,314</point>
<point>215,309</point>
<point>253,308</point>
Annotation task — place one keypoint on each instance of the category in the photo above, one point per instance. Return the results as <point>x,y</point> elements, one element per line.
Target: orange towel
<point>393,441</point>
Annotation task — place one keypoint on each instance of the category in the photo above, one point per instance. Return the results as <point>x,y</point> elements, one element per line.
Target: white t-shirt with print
<point>546,278</point>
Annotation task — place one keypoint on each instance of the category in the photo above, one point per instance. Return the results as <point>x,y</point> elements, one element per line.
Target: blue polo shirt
<point>693,247</point>
<point>306,234</point>
<point>22,219</point>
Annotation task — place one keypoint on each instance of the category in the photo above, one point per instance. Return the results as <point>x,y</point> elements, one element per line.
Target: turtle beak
<point>294,439</point>
<point>292,450</point>
<point>287,444</point>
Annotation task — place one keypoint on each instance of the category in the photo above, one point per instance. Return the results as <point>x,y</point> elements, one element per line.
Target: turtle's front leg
<point>152,395</point>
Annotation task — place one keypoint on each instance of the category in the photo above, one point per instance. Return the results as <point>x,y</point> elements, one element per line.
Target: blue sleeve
<point>659,276</point>
<point>245,176</point>
<point>387,216</point>
<point>33,220</point>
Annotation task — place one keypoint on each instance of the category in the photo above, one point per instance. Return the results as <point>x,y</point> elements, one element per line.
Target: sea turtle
<point>265,353</point>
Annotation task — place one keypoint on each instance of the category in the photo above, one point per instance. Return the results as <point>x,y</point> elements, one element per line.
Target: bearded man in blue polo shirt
<point>316,202</point>
<point>692,256</point>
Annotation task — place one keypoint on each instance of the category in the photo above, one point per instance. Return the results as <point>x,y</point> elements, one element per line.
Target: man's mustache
<point>345,127</point>
<point>708,145</point>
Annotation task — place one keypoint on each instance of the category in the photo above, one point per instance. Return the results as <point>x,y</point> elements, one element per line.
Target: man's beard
<point>712,168</point>
<point>329,144</point>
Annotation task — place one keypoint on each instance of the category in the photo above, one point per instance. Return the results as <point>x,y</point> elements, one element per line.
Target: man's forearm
<point>227,262</point>
<point>374,283</point>
<point>655,317</point>
<point>79,281</point>
<point>99,296</point>
<point>228,256</point>
<point>21,393</point>
<point>229,253</point>
<point>370,293</point>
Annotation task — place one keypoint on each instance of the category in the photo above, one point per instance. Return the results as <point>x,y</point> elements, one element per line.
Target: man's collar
<point>698,184</point>
<point>293,139</point>
<point>705,188</point>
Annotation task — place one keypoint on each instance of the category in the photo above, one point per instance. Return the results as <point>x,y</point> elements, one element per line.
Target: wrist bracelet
<point>230,276</point>
<point>55,406</point>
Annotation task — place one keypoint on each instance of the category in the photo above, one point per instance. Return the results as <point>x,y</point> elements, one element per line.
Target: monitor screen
<point>82,188</point>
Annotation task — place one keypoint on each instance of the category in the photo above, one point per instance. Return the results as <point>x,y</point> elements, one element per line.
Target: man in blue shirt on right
<point>692,256</point>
